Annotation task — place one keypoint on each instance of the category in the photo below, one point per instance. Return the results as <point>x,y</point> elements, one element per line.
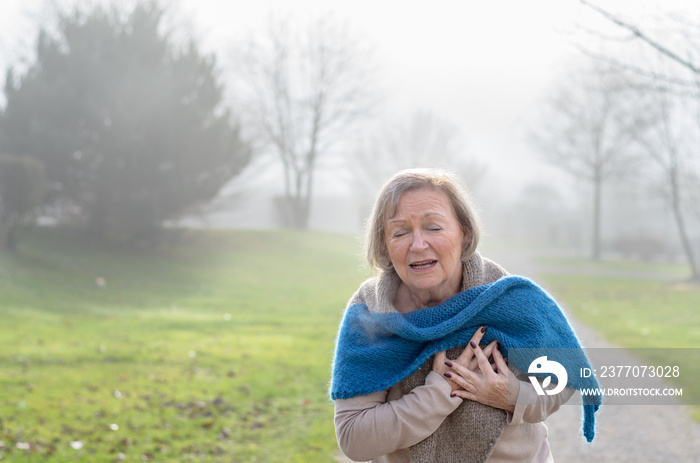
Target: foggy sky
<point>481,65</point>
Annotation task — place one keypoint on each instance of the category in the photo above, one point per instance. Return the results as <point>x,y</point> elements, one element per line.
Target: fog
<point>145,144</point>
<point>483,69</point>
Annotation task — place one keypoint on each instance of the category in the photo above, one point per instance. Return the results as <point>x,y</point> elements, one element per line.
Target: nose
<point>418,244</point>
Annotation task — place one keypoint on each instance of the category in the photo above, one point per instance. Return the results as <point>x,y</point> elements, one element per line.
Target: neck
<point>408,301</point>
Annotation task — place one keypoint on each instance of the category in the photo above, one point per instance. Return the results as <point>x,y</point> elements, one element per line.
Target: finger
<point>440,358</point>
<point>463,394</point>
<point>465,357</point>
<point>439,362</point>
<point>461,381</point>
<point>467,354</point>
<point>488,350</point>
<point>440,366</point>
<point>500,362</point>
<point>484,364</point>
<point>462,372</point>
<point>474,365</point>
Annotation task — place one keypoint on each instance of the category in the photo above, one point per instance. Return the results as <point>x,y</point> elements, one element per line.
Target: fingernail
<point>483,329</point>
<point>448,363</point>
<point>473,344</point>
<point>448,375</point>
<point>452,394</point>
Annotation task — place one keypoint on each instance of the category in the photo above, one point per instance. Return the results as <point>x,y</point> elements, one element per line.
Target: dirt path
<point>624,433</point>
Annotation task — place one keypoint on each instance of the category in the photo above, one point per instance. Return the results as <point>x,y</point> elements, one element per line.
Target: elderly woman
<point>396,403</point>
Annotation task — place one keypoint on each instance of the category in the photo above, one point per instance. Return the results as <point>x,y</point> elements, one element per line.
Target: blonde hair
<point>415,179</point>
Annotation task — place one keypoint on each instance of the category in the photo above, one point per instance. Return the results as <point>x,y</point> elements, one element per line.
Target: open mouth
<point>423,264</point>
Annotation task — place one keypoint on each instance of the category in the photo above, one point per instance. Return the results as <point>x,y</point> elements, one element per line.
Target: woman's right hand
<point>466,358</point>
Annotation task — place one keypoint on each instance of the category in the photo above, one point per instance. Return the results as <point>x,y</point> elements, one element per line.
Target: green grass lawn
<point>217,350</point>
<point>680,270</point>
<point>640,313</point>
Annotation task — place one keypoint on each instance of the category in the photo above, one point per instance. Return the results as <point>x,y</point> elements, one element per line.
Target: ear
<point>385,260</point>
<point>467,237</point>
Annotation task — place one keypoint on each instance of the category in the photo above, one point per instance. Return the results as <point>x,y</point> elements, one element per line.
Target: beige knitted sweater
<point>417,421</point>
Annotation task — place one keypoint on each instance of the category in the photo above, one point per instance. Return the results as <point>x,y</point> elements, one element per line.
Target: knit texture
<point>377,350</point>
<point>469,434</point>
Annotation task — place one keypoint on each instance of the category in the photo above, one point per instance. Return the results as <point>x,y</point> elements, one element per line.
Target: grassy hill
<point>218,350</point>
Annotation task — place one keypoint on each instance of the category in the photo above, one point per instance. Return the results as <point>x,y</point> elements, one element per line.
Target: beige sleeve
<point>369,426</point>
<point>533,408</point>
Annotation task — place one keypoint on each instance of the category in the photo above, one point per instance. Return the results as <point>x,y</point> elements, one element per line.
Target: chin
<point>428,285</point>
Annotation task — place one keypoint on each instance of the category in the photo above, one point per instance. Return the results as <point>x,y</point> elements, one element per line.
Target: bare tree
<point>586,128</point>
<point>687,55</point>
<point>670,141</point>
<point>668,67</point>
<point>306,86</point>
<point>691,185</point>
<point>420,140</point>
<point>662,52</point>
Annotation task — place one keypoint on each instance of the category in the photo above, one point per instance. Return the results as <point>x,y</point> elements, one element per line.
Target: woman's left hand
<point>487,384</point>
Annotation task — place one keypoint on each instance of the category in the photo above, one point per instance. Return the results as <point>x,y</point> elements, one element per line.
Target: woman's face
<point>425,242</point>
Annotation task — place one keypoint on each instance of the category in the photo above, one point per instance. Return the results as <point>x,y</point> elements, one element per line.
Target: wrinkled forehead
<point>395,199</point>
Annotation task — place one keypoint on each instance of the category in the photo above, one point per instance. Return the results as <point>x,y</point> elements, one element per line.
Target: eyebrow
<point>427,214</point>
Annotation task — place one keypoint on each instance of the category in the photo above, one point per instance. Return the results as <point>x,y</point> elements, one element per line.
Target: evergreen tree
<point>129,124</point>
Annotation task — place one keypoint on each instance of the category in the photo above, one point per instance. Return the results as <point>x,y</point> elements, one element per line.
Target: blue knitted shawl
<point>374,351</point>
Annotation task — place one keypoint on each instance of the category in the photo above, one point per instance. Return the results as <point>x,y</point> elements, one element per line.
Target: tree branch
<point>653,76</point>
<point>644,37</point>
